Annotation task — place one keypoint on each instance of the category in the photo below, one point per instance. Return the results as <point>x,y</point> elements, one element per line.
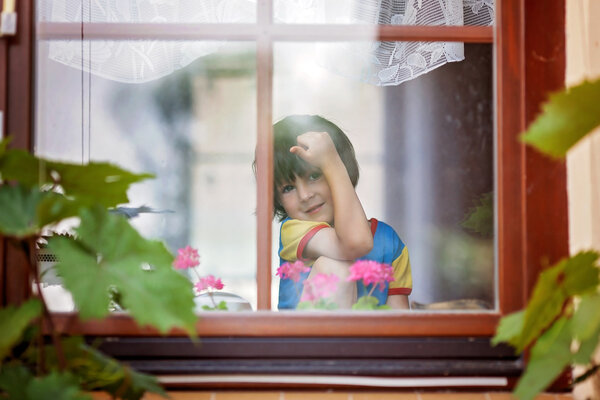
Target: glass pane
<point>425,149</point>
<point>181,11</point>
<point>394,12</point>
<point>194,129</point>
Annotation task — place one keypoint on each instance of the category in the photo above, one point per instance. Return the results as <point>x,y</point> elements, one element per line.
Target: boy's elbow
<point>360,248</point>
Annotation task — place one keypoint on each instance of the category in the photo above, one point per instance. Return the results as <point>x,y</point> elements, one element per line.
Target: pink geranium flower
<point>319,287</point>
<point>187,257</point>
<point>371,272</point>
<point>292,270</point>
<point>209,282</point>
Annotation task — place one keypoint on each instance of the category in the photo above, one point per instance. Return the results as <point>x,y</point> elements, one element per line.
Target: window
<point>528,229</point>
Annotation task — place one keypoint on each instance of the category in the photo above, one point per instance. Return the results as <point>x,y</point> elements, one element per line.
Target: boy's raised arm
<point>351,236</point>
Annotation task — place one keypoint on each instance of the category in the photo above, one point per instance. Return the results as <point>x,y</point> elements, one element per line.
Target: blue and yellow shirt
<point>387,248</point>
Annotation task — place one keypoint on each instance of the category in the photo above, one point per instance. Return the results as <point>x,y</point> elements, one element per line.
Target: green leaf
<point>109,252</point>
<point>549,357</point>
<point>585,325</point>
<point>14,321</point>
<point>480,219</point>
<point>55,386</point>
<point>222,306</point>
<point>3,145</point>
<point>100,183</point>
<point>94,371</point>
<point>14,380</point>
<point>509,328</point>
<point>305,305</point>
<point>567,117</point>
<point>366,303</point>
<point>25,211</point>
<point>572,276</point>
<point>581,274</point>
<point>94,183</point>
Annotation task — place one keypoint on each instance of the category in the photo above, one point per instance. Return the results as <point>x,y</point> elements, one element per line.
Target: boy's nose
<point>304,191</point>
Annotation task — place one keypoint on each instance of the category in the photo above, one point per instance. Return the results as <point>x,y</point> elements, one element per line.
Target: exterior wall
<point>583,162</point>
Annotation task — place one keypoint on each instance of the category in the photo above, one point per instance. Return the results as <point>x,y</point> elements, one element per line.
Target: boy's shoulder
<point>299,227</point>
<point>383,231</point>
<point>381,227</point>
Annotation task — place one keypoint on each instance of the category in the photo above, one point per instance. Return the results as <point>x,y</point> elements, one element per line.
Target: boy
<point>323,222</point>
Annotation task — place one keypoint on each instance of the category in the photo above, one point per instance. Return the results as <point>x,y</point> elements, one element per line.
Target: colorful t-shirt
<point>387,248</point>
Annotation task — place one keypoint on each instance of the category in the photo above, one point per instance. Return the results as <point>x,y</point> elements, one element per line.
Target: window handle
<point>8,19</point>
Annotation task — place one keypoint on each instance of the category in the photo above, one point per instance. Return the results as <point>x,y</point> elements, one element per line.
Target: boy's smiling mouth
<point>314,209</point>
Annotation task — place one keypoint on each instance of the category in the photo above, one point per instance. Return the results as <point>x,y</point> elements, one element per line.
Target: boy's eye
<point>287,188</point>
<point>315,176</point>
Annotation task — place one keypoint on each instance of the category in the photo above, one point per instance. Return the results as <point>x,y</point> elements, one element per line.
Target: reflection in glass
<point>194,129</point>
<point>425,150</point>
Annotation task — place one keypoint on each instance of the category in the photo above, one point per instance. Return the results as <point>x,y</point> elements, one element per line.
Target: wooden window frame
<point>531,218</point>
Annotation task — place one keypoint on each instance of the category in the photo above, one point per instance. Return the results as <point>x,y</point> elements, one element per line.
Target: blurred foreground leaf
<point>95,371</point>
<point>55,386</point>
<point>94,183</point>
<point>573,276</point>
<point>109,252</point>
<point>14,321</point>
<point>549,357</point>
<point>509,328</point>
<point>25,211</point>
<point>567,117</point>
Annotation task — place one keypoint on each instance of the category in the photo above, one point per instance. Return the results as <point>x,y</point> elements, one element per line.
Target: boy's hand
<point>316,148</point>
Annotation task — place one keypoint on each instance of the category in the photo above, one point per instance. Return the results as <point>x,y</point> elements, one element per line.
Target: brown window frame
<point>531,214</point>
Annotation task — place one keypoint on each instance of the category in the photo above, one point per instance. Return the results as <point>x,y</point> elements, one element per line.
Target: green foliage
<point>509,328</point>
<point>95,371</point>
<point>321,304</point>
<point>567,117</point>
<point>28,210</point>
<point>480,219</point>
<point>551,322</point>
<point>366,303</point>
<point>55,386</point>
<point>19,384</point>
<point>94,183</point>
<point>14,380</point>
<point>14,321</point>
<point>107,256</point>
<point>108,253</point>
<point>222,306</point>
<point>549,357</point>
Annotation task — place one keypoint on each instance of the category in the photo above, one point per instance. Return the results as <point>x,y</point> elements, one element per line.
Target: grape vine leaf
<point>14,321</point>
<point>93,183</point>
<point>549,357</point>
<point>109,252</point>
<point>55,386</point>
<point>576,275</point>
<point>97,372</point>
<point>25,211</point>
<point>567,117</point>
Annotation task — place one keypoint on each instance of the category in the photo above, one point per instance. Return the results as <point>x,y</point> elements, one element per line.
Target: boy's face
<point>307,198</point>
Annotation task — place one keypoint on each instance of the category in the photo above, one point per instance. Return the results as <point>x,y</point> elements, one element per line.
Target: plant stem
<point>591,371</point>
<point>372,290</point>
<point>29,248</point>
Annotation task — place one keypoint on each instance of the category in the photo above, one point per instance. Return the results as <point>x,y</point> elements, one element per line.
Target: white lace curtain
<point>378,63</point>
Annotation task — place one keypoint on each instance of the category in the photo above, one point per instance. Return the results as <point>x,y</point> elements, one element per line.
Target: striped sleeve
<point>402,283</point>
<point>295,235</point>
